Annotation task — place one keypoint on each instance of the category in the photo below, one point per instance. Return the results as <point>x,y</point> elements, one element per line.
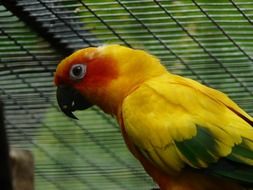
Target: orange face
<point>86,68</point>
<point>85,71</point>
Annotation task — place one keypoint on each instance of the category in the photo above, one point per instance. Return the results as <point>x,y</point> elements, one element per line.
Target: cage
<point>209,41</point>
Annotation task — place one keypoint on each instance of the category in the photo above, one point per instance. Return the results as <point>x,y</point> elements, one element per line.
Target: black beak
<point>70,100</point>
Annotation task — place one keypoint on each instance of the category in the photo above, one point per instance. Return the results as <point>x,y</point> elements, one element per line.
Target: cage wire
<point>209,41</point>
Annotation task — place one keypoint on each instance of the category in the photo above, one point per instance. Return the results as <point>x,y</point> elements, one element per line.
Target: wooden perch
<point>22,169</point>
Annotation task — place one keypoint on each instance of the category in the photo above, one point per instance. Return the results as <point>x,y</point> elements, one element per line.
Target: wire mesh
<point>206,40</point>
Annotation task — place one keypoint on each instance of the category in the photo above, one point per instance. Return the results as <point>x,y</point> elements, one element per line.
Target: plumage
<point>192,127</point>
<point>186,135</point>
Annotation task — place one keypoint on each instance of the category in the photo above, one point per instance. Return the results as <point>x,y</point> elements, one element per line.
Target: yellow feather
<point>173,163</point>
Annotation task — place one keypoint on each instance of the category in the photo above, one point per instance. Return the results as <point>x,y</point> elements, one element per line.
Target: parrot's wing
<point>176,123</point>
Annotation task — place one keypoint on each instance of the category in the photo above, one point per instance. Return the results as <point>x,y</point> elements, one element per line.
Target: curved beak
<point>70,100</point>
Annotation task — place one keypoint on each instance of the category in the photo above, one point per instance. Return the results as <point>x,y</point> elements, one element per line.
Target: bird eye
<point>77,71</point>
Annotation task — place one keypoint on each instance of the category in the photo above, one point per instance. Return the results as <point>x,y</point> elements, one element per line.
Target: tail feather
<point>242,173</point>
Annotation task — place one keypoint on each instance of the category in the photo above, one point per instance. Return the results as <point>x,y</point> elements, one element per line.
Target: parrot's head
<point>102,76</point>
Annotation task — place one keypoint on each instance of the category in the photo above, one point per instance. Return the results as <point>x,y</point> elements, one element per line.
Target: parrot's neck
<point>110,98</point>
<point>131,73</point>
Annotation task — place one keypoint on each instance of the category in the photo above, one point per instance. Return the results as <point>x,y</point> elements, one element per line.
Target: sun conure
<point>186,135</point>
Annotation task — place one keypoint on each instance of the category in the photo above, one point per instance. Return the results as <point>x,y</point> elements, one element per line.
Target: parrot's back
<point>182,127</point>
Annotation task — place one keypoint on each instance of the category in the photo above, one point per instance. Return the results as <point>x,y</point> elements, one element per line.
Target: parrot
<point>186,135</point>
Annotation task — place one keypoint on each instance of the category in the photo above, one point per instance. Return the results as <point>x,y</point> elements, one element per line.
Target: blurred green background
<point>209,41</point>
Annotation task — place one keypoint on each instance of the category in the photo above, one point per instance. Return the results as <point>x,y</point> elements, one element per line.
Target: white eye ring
<point>77,71</point>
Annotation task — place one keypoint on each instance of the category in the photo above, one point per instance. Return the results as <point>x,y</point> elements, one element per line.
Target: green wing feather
<point>202,148</point>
